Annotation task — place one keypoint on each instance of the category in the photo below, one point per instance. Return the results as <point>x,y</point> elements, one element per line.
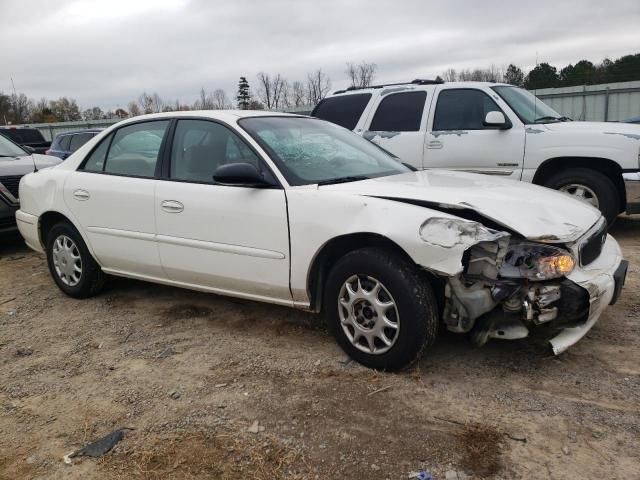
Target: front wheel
<point>382,312</point>
<point>71,265</point>
<point>591,187</point>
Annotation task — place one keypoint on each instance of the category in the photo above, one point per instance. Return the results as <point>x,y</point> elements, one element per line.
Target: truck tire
<point>382,312</point>
<point>589,186</point>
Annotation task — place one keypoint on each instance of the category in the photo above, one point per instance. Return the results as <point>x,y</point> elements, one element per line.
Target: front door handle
<point>81,195</point>
<point>172,206</point>
<point>434,144</point>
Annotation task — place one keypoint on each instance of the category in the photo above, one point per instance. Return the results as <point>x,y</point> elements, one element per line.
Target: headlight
<point>536,261</point>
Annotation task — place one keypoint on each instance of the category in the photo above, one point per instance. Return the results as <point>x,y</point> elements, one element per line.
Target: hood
<point>534,212</point>
<point>628,130</point>
<point>24,164</point>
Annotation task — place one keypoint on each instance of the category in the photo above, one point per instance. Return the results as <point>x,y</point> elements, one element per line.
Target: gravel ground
<point>213,387</point>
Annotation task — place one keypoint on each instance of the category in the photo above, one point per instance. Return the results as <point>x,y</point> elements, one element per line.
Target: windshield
<point>527,106</point>
<point>310,151</point>
<point>10,149</point>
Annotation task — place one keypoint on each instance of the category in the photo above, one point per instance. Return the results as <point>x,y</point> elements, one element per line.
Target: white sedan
<point>300,212</point>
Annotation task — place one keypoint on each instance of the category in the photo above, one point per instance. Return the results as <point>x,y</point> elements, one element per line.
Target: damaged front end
<point>508,286</point>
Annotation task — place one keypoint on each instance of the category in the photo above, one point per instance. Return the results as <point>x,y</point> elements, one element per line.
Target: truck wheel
<point>381,311</point>
<point>71,265</point>
<point>589,186</point>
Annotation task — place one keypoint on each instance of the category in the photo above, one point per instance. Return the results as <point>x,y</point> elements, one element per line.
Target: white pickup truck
<point>496,129</point>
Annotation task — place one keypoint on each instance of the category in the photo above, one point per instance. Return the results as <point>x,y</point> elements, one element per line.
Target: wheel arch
<point>50,218</point>
<point>605,166</point>
<point>339,246</point>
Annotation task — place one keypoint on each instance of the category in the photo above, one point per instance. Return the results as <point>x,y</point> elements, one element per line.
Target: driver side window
<point>463,109</point>
<point>200,147</point>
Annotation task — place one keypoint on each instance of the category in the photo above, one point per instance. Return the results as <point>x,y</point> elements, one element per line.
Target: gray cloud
<point>107,52</point>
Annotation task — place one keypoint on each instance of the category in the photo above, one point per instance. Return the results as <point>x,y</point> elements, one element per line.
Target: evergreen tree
<point>244,97</point>
<point>514,76</point>
<point>543,76</point>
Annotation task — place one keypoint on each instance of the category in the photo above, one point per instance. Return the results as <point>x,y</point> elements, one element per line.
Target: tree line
<point>274,91</point>
<point>544,75</point>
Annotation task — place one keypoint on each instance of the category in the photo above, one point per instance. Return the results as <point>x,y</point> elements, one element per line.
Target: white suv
<point>495,129</point>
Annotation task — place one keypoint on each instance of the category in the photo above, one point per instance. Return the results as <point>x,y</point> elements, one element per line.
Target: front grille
<point>11,183</point>
<point>591,248</point>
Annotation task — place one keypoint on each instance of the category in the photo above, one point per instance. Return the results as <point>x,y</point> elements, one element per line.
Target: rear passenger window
<point>200,147</point>
<point>95,162</point>
<point>135,149</point>
<point>399,112</point>
<point>344,110</point>
<point>64,142</point>
<point>463,109</point>
<point>78,140</point>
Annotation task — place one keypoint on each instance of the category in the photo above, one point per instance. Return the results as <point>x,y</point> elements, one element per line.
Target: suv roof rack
<point>417,81</point>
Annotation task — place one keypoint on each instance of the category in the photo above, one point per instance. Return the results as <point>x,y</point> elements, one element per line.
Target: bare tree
<point>151,103</point>
<point>220,100</point>
<point>134,108</point>
<point>450,75</point>
<point>271,89</point>
<point>318,85</point>
<point>297,94</point>
<point>361,75</point>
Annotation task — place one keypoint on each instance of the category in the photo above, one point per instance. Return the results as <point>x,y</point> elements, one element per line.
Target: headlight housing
<point>536,261</point>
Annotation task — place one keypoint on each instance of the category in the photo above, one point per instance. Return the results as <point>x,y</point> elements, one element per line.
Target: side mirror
<point>497,120</point>
<point>30,150</point>
<point>240,174</point>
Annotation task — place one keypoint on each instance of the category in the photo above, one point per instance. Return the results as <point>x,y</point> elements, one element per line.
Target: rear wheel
<point>71,265</point>
<point>380,309</point>
<point>591,187</point>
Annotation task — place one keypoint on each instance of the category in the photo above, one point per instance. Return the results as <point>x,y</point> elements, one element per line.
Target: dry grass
<point>206,455</point>
<point>483,446</point>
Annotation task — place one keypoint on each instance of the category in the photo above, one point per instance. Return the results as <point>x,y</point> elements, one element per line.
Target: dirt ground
<point>190,374</point>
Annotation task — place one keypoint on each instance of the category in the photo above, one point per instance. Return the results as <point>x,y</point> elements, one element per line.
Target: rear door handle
<point>81,195</point>
<point>172,206</point>
<point>434,144</point>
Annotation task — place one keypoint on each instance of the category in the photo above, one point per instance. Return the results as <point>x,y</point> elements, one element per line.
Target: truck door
<point>459,139</point>
<point>398,122</point>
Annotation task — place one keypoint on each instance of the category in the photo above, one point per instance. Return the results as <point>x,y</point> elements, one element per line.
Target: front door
<point>230,239</point>
<point>112,197</point>
<point>458,139</point>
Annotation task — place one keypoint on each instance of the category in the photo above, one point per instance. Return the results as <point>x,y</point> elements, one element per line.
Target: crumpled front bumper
<point>603,279</point>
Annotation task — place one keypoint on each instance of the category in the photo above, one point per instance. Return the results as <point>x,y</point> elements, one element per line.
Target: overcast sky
<point>106,52</point>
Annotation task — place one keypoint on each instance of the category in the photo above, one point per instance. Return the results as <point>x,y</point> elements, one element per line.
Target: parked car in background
<point>495,129</point>
<point>15,162</point>
<point>27,137</point>
<point>300,212</point>
<point>632,120</point>
<point>68,142</point>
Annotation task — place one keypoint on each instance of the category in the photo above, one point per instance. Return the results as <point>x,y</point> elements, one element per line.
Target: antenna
<point>535,95</point>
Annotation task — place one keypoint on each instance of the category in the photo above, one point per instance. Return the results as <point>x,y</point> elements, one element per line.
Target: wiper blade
<point>353,178</point>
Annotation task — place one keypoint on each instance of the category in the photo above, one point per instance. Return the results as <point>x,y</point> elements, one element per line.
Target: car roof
<point>223,115</point>
<point>414,86</point>
<point>86,130</point>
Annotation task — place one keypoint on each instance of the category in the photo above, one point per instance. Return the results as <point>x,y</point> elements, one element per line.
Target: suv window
<point>135,148</point>
<point>399,112</point>
<point>64,142</point>
<point>463,109</point>
<point>200,147</point>
<point>344,110</point>
<point>78,140</point>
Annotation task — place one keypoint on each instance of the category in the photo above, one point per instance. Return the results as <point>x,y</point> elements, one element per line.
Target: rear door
<point>112,197</point>
<point>230,239</point>
<point>458,139</point>
<point>398,123</point>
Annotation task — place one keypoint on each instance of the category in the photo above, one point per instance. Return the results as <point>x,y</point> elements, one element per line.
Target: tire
<point>595,184</point>
<point>414,311</point>
<point>66,252</point>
